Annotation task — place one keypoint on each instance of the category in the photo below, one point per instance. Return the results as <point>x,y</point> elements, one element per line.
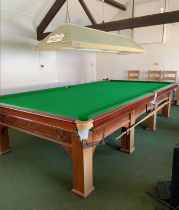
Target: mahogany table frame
<point>62,130</point>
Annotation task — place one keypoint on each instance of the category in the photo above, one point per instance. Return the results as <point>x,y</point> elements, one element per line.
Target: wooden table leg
<point>166,110</point>
<point>4,140</point>
<point>127,140</point>
<point>173,94</point>
<point>82,161</point>
<point>151,122</point>
<point>178,96</point>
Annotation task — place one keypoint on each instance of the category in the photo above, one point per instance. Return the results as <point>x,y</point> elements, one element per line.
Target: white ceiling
<point>39,8</point>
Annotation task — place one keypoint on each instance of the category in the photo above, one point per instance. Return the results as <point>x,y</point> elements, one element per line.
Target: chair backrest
<point>133,74</point>
<point>167,76</point>
<point>154,75</point>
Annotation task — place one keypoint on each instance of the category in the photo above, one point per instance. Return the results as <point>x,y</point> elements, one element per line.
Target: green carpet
<point>37,174</point>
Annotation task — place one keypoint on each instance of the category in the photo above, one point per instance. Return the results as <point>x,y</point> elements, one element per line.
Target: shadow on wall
<point>17,45</point>
<point>34,87</point>
<point>18,27</point>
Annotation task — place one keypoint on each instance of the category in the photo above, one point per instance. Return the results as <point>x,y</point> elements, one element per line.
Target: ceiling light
<point>73,38</point>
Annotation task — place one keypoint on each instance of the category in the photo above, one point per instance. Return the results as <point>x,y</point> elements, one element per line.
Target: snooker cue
<point>152,113</point>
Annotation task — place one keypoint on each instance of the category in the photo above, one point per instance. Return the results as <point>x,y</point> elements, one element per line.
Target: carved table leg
<point>127,140</point>
<point>82,161</point>
<point>166,110</point>
<point>151,122</point>
<point>4,140</point>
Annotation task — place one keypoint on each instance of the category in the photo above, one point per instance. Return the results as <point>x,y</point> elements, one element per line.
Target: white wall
<point>20,62</point>
<point>167,54</point>
<point>39,8</point>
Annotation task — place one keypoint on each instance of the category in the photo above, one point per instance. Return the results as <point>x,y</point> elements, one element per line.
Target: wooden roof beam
<point>41,36</point>
<point>115,4</point>
<point>88,13</point>
<point>50,15</point>
<point>144,21</point>
<point>137,22</point>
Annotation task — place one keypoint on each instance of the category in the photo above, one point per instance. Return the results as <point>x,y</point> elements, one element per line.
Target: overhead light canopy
<point>73,38</point>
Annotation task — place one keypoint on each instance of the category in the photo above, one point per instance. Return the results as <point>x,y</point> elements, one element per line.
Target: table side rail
<point>108,116</point>
<point>167,89</point>
<point>120,110</point>
<point>62,122</point>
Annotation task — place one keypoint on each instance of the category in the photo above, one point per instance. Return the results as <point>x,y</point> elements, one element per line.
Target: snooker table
<point>68,115</point>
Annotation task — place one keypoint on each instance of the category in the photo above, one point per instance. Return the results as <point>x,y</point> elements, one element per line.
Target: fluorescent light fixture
<point>90,50</point>
<point>73,38</point>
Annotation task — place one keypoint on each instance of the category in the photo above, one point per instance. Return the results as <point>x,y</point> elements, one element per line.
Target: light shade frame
<point>86,40</point>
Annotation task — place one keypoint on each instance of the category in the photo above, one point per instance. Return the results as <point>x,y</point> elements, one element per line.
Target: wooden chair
<point>154,75</point>
<point>170,78</point>
<point>167,77</point>
<point>133,74</point>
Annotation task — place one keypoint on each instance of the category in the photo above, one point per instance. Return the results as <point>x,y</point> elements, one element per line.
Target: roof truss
<point>50,15</point>
<point>53,11</point>
<point>57,6</point>
<point>137,22</point>
<point>115,4</point>
<point>90,16</point>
